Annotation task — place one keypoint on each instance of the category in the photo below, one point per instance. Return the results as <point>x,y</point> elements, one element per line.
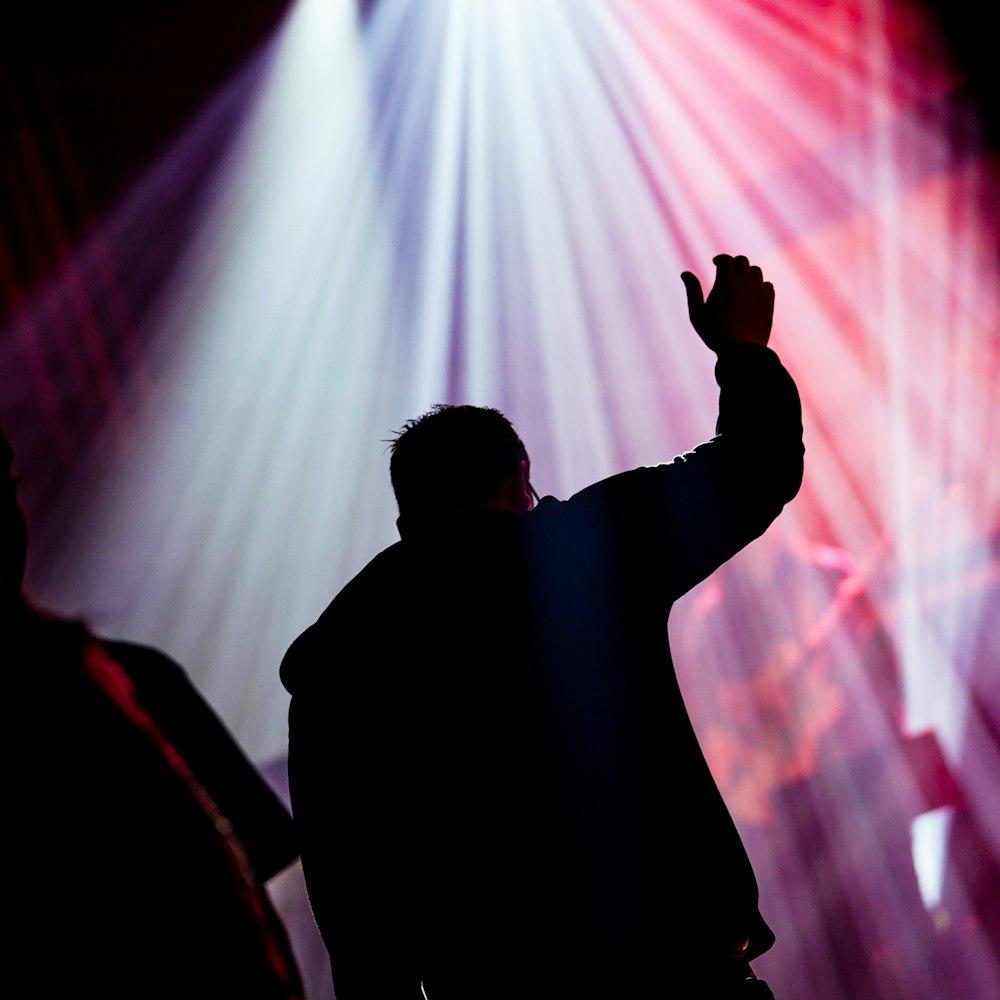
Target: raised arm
<point>674,524</point>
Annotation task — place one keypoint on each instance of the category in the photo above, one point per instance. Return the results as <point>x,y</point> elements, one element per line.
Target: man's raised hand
<point>739,308</point>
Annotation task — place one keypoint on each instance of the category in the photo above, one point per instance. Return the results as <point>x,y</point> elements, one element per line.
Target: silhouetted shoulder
<point>374,591</point>
<point>162,688</point>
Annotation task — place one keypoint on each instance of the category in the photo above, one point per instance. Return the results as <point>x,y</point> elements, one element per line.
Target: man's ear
<point>520,492</point>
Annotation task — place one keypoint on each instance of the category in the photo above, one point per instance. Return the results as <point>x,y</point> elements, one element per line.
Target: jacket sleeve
<point>674,524</point>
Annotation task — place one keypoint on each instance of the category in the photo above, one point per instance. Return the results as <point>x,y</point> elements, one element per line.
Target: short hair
<point>453,457</point>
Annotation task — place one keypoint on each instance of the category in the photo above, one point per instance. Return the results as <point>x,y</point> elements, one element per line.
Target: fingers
<point>734,265</point>
<point>693,287</point>
<point>695,297</point>
<point>739,307</point>
<point>727,267</point>
<point>724,265</point>
<point>769,299</point>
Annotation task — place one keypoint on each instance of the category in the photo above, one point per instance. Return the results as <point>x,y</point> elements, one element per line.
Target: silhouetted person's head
<point>456,458</point>
<point>13,538</point>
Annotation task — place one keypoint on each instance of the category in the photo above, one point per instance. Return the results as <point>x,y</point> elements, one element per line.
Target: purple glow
<point>491,202</point>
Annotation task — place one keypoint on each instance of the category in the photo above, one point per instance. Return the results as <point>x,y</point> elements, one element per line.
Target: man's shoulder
<point>158,680</point>
<point>356,608</point>
<point>382,572</point>
<point>138,659</point>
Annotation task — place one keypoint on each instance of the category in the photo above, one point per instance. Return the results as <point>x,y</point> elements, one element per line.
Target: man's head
<point>459,458</point>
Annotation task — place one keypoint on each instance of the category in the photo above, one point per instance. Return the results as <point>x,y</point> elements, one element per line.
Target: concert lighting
<point>491,202</point>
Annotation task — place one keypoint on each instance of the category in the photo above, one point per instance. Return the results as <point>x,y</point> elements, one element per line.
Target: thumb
<point>695,297</point>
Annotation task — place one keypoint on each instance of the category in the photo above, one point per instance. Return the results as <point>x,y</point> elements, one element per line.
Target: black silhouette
<point>141,835</point>
<point>497,787</point>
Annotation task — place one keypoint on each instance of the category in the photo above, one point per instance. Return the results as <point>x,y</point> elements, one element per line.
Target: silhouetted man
<point>498,790</point>
<point>138,834</point>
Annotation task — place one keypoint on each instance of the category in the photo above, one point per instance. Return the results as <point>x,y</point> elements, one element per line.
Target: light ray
<point>491,202</point>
